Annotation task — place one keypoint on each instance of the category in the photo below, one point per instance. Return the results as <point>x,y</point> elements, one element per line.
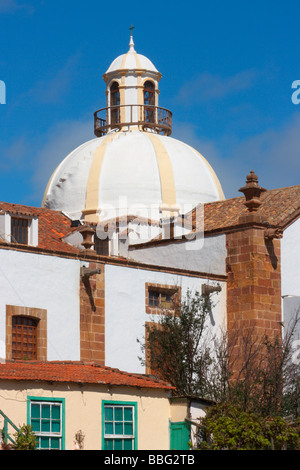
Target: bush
<point>227,427</point>
<point>25,439</point>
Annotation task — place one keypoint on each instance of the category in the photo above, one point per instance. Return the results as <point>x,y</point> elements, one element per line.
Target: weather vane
<point>131,29</point>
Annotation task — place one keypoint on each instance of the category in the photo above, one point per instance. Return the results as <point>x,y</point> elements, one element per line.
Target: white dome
<point>131,61</point>
<point>134,172</point>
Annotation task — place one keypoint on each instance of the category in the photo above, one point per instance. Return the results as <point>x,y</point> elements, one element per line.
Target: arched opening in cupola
<point>114,103</point>
<point>149,101</point>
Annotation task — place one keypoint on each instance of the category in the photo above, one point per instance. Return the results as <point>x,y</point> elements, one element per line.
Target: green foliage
<point>282,434</point>
<point>252,378</point>
<point>25,439</point>
<point>228,427</point>
<point>178,347</point>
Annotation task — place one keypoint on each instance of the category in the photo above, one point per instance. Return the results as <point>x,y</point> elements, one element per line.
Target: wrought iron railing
<point>146,116</point>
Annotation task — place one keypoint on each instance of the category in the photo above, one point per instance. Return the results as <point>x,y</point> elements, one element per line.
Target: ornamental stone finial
<point>252,192</point>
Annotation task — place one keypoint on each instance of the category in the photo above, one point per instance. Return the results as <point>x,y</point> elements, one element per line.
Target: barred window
<point>19,230</point>
<point>102,246</point>
<point>161,299</point>
<point>24,338</point>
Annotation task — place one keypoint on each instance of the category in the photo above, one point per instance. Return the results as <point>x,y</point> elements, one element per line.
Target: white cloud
<point>273,154</point>
<point>52,90</point>
<point>12,155</point>
<point>11,6</point>
<point>207,86</point>
<point>56,144</point>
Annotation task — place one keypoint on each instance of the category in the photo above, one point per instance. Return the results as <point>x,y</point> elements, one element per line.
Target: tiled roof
<point>278,206</point>
<point>52,226</point>
<point>77,372</point>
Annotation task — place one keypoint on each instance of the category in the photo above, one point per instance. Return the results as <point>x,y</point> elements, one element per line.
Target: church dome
<point>134,173</point>
<point>133,167</point>
<point>131,61</point>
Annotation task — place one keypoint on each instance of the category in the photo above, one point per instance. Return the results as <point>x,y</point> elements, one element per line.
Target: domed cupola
<point>133,166</point>
<point>132,96</point>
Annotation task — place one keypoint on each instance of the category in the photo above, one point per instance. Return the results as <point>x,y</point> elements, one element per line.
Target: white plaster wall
<point>46,282</point>
<point>290,260</point>
<point>290,269</point>
<point>203,255</point>
<point>125,314</point>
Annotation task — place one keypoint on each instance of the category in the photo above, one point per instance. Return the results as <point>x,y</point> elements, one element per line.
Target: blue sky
<point>227,67</point>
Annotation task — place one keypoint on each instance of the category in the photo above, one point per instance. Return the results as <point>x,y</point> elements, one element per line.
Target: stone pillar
<point>92,314</point>
<point>254,274</point>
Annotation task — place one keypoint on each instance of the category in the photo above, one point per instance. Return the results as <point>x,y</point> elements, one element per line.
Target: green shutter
<point>179,436</point>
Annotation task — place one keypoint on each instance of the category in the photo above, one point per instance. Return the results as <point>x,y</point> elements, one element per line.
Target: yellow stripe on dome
<point>168,190</point>
<point>124,60</point>
<point>92,193</point>
<point>137,60</point>
<point>214,176</point>
<point>138,63</point>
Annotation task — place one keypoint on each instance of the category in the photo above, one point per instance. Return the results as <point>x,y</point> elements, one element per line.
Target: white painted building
<point>158,216</point>
<point>134,212</point>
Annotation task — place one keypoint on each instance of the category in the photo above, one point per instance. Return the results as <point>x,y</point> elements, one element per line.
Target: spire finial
<point>131,43</point>
<point>131,30</point>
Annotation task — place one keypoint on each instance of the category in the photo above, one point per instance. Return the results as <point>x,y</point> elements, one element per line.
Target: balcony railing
<point>4,431</point>
<point>146,116</point>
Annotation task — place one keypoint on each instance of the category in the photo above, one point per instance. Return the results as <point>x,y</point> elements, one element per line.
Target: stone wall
<point>254,283</point>
<point>92,316</point>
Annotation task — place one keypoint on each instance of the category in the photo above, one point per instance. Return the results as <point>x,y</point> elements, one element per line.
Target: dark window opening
<point>149,100</point>
<point>153,298</point>
<point>161,299</point>
<point>102,246</point>
<point>115,101</point>
<point>24,338</point>
<point>19,230</point>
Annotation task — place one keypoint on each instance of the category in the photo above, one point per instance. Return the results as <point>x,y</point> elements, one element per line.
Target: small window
<point>102,246</point>
<point>149,101</point>
<point>160,298</point>
<point>166,300</point>
<point>24,338</point>
<point>119,426</point>
<point>149,93</point>
<point>115,101</point>
<point>19,230</point>
<point>46,419</point>
<point>154,298</point>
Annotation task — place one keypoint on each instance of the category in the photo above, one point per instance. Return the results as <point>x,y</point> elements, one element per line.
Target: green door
<point>180,436</point>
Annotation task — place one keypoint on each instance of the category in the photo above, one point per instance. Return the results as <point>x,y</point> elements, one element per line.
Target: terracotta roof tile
<point>77,372</point>
<point>279,206</point>
<point>52,226</point>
